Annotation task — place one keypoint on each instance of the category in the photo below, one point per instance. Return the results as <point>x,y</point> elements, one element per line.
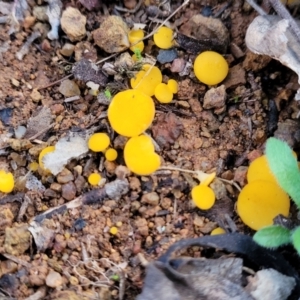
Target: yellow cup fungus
<point>259,170</point>
<point>217,231</point>
<point>33,166</point>
<point>134,36</point>
<point>7,182</point>
<point>94,179</point>
<point>163,38</point>
<point>131,112</point>
<point>210,67</point>
<point>113,230</point>
<point>98,142</point>
<point>173,86</point>
<point>163,94</point>
<point>260,202</point>
<point>43,153</point>
<point>147,79</point>
<point>140,156</point>
<point>111,154</point>
<point>203,197</point>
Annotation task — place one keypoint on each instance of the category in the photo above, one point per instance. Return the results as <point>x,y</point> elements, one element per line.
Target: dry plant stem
<point>232,183</point>
<point>257,7</point>
<point>41,132</point>
<point>284,13</point>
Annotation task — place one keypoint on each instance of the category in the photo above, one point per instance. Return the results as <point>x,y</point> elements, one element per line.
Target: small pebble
<point>67,49</point>
<point>73,24</point>
<point>151,198</point>
<point>68,191</point>
<point>69,88</point>
<point>35,96</point>
<point>165,56</point>
<point>215,98</point>
<point>54,279</point>
<point>65,176</point>
<point>178,65</point>
<point>20,132</point>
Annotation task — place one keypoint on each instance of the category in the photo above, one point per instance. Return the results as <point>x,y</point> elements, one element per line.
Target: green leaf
<point>272,236</point>
<point>296,239</point>
<point>284,166</point>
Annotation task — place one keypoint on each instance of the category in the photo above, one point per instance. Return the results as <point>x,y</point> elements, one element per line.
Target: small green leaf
<point>296,239</point>
<point>284,166</point>
<point>272,236</point>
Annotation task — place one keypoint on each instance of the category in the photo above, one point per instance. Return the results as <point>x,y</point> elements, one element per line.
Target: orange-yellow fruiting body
<point>210,67</point>
<point>7,182</point>
<point>140,157</point>
<point>208,179</point>
<point>98,142</point>
<point>217,231</point>
<point>173,86</point>
<point>260,202</point>
<point>111,154</point>
<point>131,112</point>
<point>147,79</point>
<point>33,166</point>
<point>259,170</point>
<point>140,46</point>
<point>94,179</point>
<point>43,153</point>
<point>163,94</point>
<point>203,197</point>
<point>113,230</point>
<point>163,38</point>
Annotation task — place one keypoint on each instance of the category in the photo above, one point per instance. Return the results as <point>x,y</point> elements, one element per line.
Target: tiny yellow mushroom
<point>111,154</point>
<point>43,153</point>
<point>163,38</point>
<point>210,67</point>
<point>140,156</point>
<point>163,93</point>
<point>173,86</point>
<point>147,79</point>
<point>113,230</point>
<point>131,112</point>
<point>98,142</point>
<point>94,179</point>
<point>217,231</point>
<point>203,197</point>
<point>7,182</point>
<point>260,201</point>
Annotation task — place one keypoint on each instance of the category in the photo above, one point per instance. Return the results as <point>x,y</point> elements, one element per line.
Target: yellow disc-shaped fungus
<point>131,112</point>
<point>43,153</point>
<point>173,86</point>
<point>203,197</point>
<point>217,231</point>
<point>147,79</point>
<point>259,170</point>
<point>6,182</point>
<point>163,94</point>
<point>260,202</point>
<point>111,154</point>
<point>98,142</point>
<point>210,67</point>
<point>163,38</point>
<point>139,155</point>
<point>33,166</point>
<point>94,179</point>
<point>113,230</point>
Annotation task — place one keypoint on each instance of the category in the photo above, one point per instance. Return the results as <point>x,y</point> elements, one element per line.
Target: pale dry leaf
<point>39,123</point>
<point>66,149</point>
<point>271,35</point>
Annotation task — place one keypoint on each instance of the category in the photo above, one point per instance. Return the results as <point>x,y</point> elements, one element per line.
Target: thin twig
<point>55,82</point>
<point>41,132</point>
<point>257,7</point>
<point>284,13</point>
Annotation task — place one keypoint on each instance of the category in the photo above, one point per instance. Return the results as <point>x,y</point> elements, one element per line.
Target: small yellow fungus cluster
<point>210,67</point>
<point>94,179</point>
<point>6,182</point>
<point>42,154</point>
<point>262,199</point>
<point>131,112</point>
<point>202,195</point>
<point>140,156</point>
<point>111,154</point>
<point>163,38</point>
<point>147,79</point>
<point>134,37</point>
<point>164,92</point>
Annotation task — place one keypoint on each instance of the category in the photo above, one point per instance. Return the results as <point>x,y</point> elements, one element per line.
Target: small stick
<point>284,13</point>
<point>41,132</point>
<point>257,7</point>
